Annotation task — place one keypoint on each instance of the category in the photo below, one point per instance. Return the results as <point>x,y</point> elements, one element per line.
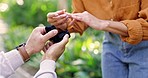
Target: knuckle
<point>65,24</point>
<point>42,40</point>
<point>59,21</point>
<point>53,24</point>
<point>36,29</point>
<point>49,20</point>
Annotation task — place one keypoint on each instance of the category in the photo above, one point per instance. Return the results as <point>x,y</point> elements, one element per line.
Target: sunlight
<point>3,7</point>
<point>83,48</point>
<point>96,51</point>
<point>20,2</point>
<point>92,46</point>
<point>73,35</point>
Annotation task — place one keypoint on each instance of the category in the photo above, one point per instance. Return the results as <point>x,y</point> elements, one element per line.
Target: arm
<point>52,53</point>
<point>10,61</point>
<point>77,26</point>
<point>47,70</point>
<point>105,25</point>
<point>58,19</point>
<point>116,27</point>
<point>137,29</point>
<point>131,31</point>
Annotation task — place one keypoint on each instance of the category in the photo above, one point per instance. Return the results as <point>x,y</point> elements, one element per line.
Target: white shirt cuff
<point>47,69</point>
<point>48,65</point>
<point>15,59</point>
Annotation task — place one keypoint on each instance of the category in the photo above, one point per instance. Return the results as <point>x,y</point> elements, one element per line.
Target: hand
<point>98,24</point>
<point>90,20</point>
<point>58,19</point>
<point>37,39</point>
<point>54,51</point>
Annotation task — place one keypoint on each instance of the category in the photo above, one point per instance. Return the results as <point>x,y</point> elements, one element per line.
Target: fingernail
<point>67,16</point>
<point>64,10</point>
<point>55,31</point>
<point>66,36</point>
<point>64,15</point>
<point>56,14</point>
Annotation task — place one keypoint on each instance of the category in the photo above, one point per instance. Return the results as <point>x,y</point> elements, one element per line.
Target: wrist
<point>104,24</point>
<point>23,52</point>
<point>29,50</point>
<point>50,58</point>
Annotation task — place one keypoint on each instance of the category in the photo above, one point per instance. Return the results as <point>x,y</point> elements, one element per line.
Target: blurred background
<point>82,57</point>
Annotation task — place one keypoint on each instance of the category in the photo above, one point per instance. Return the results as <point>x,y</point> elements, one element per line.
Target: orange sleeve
<point>137,29</point>
<point>134,32</point>
<point>77,27</point>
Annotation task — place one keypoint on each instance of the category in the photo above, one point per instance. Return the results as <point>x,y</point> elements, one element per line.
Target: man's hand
<point>54,51</point>
<point>37,39</point>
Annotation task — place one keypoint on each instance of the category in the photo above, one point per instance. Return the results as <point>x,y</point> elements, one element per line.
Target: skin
<point>58,19</point>
<point>98,24</point>
<point>92,21</point>
<point>54,51</point>
<point>37,40</point>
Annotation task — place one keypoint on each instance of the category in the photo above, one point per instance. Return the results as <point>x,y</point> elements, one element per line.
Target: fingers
<point>44,49</point>
<point>50,15</point>
<point>51,20</point>
<point>60,16</point>
<point>76,16</point>
<point>50,34</point>
<point>72,22</point>
<point>55,18</point>
<point>62,27</point>
<point>61,12</point>
<point>47,46</point>
<point>65,40</point>
<point>60,21</point>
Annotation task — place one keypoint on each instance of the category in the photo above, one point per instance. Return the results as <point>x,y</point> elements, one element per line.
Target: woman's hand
<point>98,24</point>
<point>90,20</point>
<point>58,19</point>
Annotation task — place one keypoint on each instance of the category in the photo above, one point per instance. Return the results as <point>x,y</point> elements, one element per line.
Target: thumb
<point>50,15</point>
<point>60,12</point>
<point>77,16</point>
<point>65,40</point>
<point>50,34</point>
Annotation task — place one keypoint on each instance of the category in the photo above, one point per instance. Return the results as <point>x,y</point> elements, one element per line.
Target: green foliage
<point>69,5</point>
<point>79,59</point>
<point>31,13</point>
<point>82,57</point>
<point>16,36</point>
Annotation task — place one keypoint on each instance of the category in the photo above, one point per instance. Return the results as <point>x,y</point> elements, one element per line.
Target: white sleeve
<point>9,62</point>
<point>47,70</point>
